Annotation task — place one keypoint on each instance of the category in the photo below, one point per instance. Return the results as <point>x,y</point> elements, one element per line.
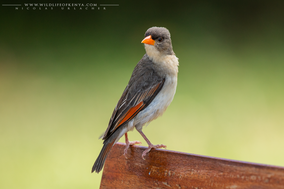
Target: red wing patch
<point>131,113</point>
<point>143,99</point>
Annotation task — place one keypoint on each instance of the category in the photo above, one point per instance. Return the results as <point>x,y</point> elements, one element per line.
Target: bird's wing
<point>139,93</point>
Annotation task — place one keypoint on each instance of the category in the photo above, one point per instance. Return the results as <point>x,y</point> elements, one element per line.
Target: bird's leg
<point>150,145</point>
<point>129,143</point>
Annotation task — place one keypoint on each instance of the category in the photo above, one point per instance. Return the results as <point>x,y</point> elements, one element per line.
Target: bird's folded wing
<point>130,104</point>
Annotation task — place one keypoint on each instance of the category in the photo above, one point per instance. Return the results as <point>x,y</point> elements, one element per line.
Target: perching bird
<point>149,92</point>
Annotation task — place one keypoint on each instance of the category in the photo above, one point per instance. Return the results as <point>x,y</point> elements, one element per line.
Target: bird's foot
<point>130,143</point>
<point>150,147</point>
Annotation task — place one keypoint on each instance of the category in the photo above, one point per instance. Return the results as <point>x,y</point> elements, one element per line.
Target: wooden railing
<point>170,169</point>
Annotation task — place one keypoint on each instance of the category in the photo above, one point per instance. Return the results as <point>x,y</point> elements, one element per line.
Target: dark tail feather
<point>99,163</point>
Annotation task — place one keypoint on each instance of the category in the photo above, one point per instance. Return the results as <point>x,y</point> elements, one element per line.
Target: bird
<point>149,92</point>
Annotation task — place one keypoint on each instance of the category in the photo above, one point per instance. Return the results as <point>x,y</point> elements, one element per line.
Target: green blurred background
<point>62,73</point>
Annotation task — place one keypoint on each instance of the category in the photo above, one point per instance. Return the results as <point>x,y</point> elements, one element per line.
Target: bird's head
<point>158,42</point>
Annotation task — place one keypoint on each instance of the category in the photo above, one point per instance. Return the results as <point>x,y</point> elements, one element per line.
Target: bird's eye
<point>160,39</point>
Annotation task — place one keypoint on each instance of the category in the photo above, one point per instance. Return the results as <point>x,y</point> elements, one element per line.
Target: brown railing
<point>170,169</point>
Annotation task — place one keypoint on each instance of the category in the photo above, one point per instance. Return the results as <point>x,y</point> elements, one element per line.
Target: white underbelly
<point>159,105</point>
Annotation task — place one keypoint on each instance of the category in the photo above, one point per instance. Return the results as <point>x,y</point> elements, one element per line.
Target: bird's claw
<point>130,143</point>
<point>150,147</point>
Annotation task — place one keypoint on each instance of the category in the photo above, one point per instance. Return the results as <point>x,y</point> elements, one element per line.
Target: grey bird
<point>149,92</point>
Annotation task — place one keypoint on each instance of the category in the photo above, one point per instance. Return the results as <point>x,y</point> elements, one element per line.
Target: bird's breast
<point>166,67</point>
<point>166,95</point>
<point>159,105</point>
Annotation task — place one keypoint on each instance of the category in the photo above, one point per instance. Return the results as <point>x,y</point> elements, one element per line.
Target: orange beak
<point>148,40</point>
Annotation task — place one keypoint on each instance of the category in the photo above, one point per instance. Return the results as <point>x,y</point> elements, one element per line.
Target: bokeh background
<point>62,73</point>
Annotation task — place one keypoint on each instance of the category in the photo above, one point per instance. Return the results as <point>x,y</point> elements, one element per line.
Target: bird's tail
<point>99,163</point>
